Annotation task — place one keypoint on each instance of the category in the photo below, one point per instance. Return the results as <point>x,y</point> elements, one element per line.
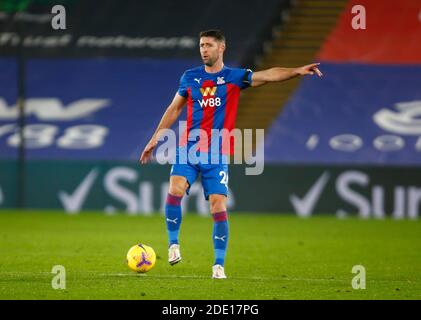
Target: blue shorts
<point>214,176</point>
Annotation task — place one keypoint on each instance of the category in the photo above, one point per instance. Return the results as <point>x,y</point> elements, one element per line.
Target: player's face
<point>211,50</point>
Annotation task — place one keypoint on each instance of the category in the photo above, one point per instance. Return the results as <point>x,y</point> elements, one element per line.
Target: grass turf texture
<point>269,257</point>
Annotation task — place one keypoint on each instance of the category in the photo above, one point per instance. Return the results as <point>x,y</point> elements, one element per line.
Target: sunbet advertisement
<point>111,187</point>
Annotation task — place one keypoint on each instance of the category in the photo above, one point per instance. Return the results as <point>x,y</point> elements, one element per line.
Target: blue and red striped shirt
<point>212,102</point>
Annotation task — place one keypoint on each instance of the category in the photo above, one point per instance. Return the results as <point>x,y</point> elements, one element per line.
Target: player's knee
<point>178,186</point>
<point>177,190</point>
<point>217,203</point>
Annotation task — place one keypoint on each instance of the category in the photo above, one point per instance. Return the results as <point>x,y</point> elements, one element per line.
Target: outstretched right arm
<point>171,114</point>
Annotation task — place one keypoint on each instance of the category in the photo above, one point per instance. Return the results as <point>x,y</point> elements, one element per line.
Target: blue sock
<point>173,217</point>
<point>220,236</point>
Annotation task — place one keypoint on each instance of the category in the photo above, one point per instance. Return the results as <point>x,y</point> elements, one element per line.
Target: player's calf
<point>220,241</point>
<point>173,217</point>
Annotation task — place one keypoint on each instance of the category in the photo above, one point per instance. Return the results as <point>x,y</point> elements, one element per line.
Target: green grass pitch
<point>269,257</point>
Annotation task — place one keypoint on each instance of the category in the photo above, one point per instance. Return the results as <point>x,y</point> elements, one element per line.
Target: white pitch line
<point>240,278</point>
<point>154,276</point>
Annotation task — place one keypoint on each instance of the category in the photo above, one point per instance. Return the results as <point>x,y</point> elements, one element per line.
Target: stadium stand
<point>96,91</point>
<point>126,30</point>
<point>119,64</point>
<point>305,27</point>
<point>367,108</point>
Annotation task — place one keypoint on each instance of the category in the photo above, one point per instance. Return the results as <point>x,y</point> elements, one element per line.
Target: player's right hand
<point>147,153</point>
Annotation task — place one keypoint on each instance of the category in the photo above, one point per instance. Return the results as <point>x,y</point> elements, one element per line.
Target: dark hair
<point>217,34</point>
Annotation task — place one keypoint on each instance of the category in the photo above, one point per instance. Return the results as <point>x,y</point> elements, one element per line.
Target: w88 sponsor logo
<point>210,102</point>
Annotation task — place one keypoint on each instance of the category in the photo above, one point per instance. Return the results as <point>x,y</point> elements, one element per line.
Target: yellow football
<point>141,258</point>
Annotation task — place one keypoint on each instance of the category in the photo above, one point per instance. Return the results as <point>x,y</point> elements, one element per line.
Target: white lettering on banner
<point>389,143</point>
<point>411,194</point>
<point>83,137</point>
<point>418,144</point>
<point>352,143</point>
<point>346,142</point>
<point>116,184</point>
<point>117,191</point>
<point>312,142</point>
<point>36,136</point>
<point>27,17</point>
<point>122,41</point>
<point>406,200</point>
<point>41,135</point>
<point>73,202</point>
<point>414,200</point>
<point>399,210</point>
<point>13,39</point>
<point>8,128</point>
<point>51,109</point>
<point>304,206</point>
<point>88,41</point>
<point>344,190</point>
<point>378,202</point>
<point>406,121</point>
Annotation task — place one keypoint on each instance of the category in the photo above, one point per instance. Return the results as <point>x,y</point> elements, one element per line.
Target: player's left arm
<point>278,74</point>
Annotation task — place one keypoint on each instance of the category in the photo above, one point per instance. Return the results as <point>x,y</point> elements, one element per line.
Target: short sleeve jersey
<point>212,102</point>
